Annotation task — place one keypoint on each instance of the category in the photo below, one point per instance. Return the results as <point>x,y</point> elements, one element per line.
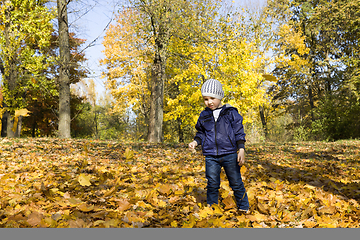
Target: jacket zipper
<point>217,150</point>
<point>217,147</point>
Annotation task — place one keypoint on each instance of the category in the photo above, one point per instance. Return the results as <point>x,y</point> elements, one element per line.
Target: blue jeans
<point>232,170</point>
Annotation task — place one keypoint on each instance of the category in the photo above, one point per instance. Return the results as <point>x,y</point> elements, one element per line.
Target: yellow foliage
<point>237,62</point>
<point>293,39</point>
<point>127,61</point>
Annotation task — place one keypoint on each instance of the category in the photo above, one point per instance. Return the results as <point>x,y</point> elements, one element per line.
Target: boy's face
<point>212,102</point>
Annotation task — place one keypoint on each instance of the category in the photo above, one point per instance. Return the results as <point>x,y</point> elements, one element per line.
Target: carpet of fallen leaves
<point>57,183</point>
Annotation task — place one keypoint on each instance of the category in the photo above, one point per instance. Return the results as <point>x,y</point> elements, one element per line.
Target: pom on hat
<point>212,88</point>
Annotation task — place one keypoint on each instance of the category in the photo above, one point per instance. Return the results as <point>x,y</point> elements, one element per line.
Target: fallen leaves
<point>84,180</point>
<point>83,183</point>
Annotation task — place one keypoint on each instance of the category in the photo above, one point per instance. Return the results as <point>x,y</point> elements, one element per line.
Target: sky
<point>91,22</point>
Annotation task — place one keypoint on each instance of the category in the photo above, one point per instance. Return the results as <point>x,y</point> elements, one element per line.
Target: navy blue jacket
<point>224,136</point>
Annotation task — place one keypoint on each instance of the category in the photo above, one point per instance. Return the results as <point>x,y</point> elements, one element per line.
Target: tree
<point>230,51</point>
<point>64,73</point>
<point>43,96</point>
<point>26,33</point>
<point>160,21</point>
<point>208,44</point>
<point>128,62</point>
<point>152,23</point>
<point>317,61</point>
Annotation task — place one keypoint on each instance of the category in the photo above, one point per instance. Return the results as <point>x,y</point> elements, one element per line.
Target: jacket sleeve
<point>200,132</point>
<point>238,128</point>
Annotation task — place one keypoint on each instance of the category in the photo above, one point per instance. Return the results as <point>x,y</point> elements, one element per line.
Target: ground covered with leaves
<point>58,183</point>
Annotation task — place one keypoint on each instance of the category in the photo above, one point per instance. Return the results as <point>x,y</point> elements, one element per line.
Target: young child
<point>220,132</point>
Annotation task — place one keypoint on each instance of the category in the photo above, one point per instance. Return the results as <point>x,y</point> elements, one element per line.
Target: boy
<point>220,132</point>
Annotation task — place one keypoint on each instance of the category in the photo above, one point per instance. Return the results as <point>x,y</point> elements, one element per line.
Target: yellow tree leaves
<point>289,38</point>
<point>127,59</point>
<point>227,55</point>
<point>288,186</point>
<point>214,47</point>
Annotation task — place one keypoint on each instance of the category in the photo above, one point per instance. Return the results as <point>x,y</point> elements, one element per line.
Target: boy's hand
<point>241,157</point>
<point>193,144</point>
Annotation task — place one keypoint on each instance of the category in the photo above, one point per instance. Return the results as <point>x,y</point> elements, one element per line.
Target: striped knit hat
<point>212,88</point>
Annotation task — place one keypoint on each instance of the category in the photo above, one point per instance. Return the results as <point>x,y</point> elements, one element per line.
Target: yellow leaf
<point>261,225</point>
<point>129,154</point>
<point>310,224</point>
<point>66,195</point>
<point>243,169</point>
<point>190,223</point>
<point>149,214</point>
<point>257,217</point>
<point>217,209</point>
<point>218,223</point>
<point>174,224</point>
<point>179,192</point>
<point>22,112</point>
<point>98,222</point>
<point>224,193</point>
<point>164,189</point>
<point>78,223</point>
<point>162,203</point>
<point>111,191</point>
<point>84,180</point>
<point>85,208</point>
<point>203,213</point>
<point>75,201</point>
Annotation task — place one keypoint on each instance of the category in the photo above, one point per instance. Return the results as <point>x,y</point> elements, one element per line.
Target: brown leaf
<point>123,205</point>
<point>66,195</point>
<point>17,217</point>
<point>78,223</point>
<point>264,209</point>
<point>229,202</point>
<point>174,199</point>
<point>327,210</point>
<point>34,218</point>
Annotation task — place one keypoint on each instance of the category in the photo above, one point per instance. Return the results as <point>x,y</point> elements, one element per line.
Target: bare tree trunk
<point>263,120</point>
<point>311,101</point>
<point>64,78</point>
<point>181,132</point>
<point>157,100</point>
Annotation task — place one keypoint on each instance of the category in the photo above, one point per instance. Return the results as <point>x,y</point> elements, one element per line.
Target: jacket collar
<point>224,107</point>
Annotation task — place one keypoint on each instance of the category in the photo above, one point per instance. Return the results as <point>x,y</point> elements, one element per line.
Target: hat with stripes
<point>212,88</point>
